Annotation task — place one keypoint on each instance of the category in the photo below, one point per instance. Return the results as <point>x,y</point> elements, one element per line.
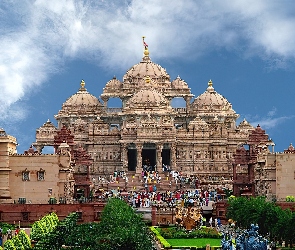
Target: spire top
<point>146,50</point>
<point>210,86</point>
<point>82,84</point>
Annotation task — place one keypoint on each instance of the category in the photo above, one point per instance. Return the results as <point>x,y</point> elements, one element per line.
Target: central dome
<point>146,73</point>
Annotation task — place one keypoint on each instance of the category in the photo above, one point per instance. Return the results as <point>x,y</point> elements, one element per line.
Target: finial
<point>210,86</point>
<point>82,84</point>
<point>210,83</point>
<point>146,50</point>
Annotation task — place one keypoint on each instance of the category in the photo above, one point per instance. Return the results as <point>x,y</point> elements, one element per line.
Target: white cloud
<point>272,112</point>
<point>269,122</point>
<point>37,36</point>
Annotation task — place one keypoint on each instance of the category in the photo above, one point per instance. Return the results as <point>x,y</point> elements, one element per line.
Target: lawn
<point>200,242</point>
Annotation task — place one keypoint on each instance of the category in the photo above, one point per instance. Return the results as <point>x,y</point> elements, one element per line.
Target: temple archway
<point>149,156</point>
<point>132,157</point>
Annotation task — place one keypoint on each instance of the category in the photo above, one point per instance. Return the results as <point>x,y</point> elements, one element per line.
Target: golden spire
<point>210,86</point>
<point>146,50</point>
<point>82,84</point>
<point>210,83</point>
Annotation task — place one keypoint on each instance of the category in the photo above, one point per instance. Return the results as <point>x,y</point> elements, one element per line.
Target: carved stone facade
<point>92,140</point>
<point>198,139</point>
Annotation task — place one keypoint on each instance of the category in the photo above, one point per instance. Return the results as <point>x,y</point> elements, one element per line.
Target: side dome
<point>148,99</point>
<point>178,83</point>
<point>112,87</point>
<point>81,103</point>
<point>212,103</point>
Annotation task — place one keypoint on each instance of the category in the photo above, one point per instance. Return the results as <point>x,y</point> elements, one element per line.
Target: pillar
<point>139,157</point>
<point>124,158</point>
<point>173,156</point>
<point>159,156</point>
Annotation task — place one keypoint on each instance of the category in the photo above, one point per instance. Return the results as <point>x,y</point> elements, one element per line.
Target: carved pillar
<point>124,156</point>
<point>159,156</point>
<point>173,156</point>
<point>105,102</point>
<point>139,147</point>
<point>39,148</point>
<point>187,102</point>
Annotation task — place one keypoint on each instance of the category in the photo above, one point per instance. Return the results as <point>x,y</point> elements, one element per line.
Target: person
<point>9,234</point>
<point>210,221</point>
<point>218,222</point>
<point>17,230</point>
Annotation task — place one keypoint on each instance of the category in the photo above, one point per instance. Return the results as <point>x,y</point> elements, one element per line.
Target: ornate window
<point>25,216</point>
<point>41,175</point>
<point>26,175</point>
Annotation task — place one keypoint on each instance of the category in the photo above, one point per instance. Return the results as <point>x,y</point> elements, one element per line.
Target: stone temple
<point>92,141</point>
<point>198,139</point>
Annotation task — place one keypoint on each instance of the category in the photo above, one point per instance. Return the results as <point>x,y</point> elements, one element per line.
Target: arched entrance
<point>132,157</point>
<point>166,155</point>
<point>149,156</point>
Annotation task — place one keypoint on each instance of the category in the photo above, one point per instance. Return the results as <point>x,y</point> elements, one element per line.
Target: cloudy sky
<point>246,47</point>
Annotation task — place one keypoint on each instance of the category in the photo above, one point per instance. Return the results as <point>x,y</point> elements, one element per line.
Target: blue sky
<point>246,47</point>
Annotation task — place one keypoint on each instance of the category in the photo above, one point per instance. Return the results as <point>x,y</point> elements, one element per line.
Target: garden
<point>174,237</point>
<point>122,229</point>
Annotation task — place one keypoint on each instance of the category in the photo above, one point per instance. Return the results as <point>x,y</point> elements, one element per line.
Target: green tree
<point>122,228</point>
<point>24,239</point>
<point>59,234</point>
<point>254,210</point>
<point>17,243</point>
<point>272,219</point>
<point>44,226</point>
<point>8,245</point>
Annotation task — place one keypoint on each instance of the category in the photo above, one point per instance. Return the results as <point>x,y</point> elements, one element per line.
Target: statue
<point>248,240</point>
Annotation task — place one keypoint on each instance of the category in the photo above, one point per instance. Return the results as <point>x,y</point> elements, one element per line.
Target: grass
<point>200,242</point>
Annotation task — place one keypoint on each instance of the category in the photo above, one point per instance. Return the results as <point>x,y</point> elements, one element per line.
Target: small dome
<point>178,83</point>
<point>80,103</point>
<point>210,100</point>
<point>82,97</point>
<point>148,99</point>
<point>113,85</point>
<point>245,126</point>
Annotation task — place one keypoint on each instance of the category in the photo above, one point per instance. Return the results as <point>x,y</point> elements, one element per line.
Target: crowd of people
<point>182,189</point>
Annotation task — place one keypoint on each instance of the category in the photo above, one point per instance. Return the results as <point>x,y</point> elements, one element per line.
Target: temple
<point>93,140</point>
<point>199,138</point>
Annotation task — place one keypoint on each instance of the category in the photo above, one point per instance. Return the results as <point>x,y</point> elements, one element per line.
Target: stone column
<point>187,102</point>
<point>173,156</point>
<point>159,156</point>
<point>105,102</point>
<point>139,147</point>
<point>124,159</point>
